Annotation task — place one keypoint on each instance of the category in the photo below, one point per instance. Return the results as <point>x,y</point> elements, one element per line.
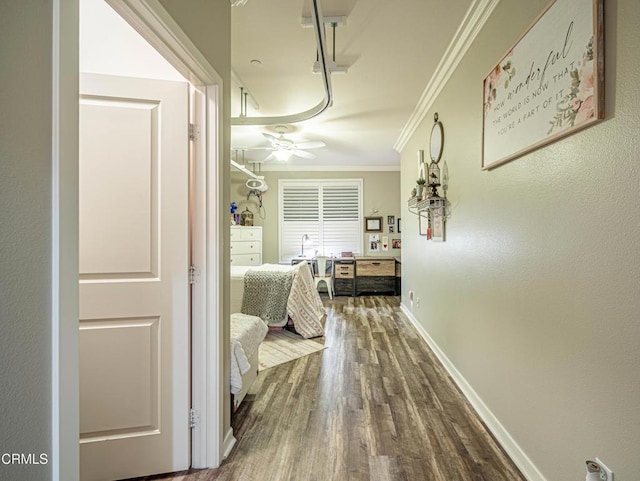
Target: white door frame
<point>157,27</point>
<point>151,20</point>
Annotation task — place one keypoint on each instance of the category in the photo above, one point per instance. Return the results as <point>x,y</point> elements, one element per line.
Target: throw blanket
<point>305,306</point>
<point>246,334</point>
<point>266,294</point>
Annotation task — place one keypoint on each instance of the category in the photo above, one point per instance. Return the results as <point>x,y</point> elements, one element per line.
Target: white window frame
<point>320,183</point>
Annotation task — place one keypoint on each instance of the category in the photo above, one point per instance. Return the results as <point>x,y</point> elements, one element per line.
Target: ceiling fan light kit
<point>282,154</point>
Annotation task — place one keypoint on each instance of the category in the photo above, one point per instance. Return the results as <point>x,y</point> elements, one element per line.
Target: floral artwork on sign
<point>578,105</point>
<point>548,85</point>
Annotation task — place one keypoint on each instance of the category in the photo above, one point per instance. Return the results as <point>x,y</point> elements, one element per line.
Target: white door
<point>134,291</point>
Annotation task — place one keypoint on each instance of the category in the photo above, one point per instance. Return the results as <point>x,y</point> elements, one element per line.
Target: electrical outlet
<point>605,473</point>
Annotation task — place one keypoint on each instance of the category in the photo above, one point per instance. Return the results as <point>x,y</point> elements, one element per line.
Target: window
<point>328,211</point>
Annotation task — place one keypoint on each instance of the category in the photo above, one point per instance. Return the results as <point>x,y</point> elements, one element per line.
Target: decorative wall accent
<point>373,224</point>
<point>548,85</point>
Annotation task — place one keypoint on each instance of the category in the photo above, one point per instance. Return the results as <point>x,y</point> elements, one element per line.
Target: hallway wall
<point>38,248</point>
<point>534,296</point>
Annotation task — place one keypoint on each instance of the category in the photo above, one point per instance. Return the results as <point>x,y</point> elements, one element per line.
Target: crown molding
<point>474,20</point>
<point>330,168</point>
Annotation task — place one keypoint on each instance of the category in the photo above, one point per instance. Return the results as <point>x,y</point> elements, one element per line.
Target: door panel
<point>134,303</point>
<point>119,375</point>
<point>119,232</point>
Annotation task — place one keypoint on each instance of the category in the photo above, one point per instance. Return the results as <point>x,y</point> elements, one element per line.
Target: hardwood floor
<point>376,406</point>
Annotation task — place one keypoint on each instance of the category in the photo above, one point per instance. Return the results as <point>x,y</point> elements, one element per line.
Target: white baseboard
<point>519,457</point>
<point>228,443</point>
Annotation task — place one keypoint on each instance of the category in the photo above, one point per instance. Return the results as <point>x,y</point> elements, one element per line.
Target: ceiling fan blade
<point>269,157</point>
<point>256,148</point>
<point>314,144</point>
<point>304,154</point>
<point>270,137</point>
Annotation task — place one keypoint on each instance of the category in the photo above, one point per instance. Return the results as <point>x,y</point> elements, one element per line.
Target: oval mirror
<point>437,141</point>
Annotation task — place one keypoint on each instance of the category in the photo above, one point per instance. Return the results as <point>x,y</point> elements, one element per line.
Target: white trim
<point>217,343</point>
<point>154,24</point>
<point>474,20</point>
<point>229,442</point>
<point>515,452</point>
<point>200,367</point>
<point>56,402</point>
<point>64,241</point>
<point>329,168</point>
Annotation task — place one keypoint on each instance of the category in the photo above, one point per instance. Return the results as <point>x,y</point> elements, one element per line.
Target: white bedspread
<point>246,334</point>
<point>304,307</point>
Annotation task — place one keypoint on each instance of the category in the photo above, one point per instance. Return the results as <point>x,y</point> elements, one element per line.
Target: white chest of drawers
<point>246,245</point>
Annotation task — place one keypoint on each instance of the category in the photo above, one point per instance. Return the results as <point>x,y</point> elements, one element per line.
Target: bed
<point>279,294</point>
<point>246,334</point>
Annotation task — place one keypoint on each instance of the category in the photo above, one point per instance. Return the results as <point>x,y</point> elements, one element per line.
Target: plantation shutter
<point>341,219</point>
<point>329,212</point>
<point>300,215</point>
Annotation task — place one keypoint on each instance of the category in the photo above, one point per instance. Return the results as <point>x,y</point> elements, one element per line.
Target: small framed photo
<point>396,243</point>
<point>391,220</point>
<point>399,232</point>
<point>437,228</point>
<point>390,229</point>
<point>423,223</point>
<point>373,224</point>
<point>374,243</point>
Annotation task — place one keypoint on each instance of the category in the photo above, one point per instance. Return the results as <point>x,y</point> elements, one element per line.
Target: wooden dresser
<point>344,278</point>
<point>375,275</point>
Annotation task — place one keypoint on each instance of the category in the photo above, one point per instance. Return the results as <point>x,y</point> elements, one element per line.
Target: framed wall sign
<point>549,84</point>
<point>373,224</point>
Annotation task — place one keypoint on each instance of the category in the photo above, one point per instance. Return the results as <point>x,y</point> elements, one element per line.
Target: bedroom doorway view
<point>136,244</point>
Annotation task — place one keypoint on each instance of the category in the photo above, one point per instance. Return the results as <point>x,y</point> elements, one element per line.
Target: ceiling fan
<point>283,148</point>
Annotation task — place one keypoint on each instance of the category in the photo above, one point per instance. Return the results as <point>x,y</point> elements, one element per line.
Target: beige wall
<point>381,191</point>
<point>535,294</point>
<point>38,236</point>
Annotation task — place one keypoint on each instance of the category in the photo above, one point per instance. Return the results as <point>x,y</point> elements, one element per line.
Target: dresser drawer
<point>246,259</point>
<point>344,271</point>
<point>343,287</point>
<point>251,233</point>
<point>246,248</point>
<point>375,268</point>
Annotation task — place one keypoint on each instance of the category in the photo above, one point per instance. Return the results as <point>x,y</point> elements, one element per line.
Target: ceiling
<point>391,49</point>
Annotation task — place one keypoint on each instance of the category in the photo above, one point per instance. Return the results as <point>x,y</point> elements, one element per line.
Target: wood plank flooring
<point>375,406</point>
